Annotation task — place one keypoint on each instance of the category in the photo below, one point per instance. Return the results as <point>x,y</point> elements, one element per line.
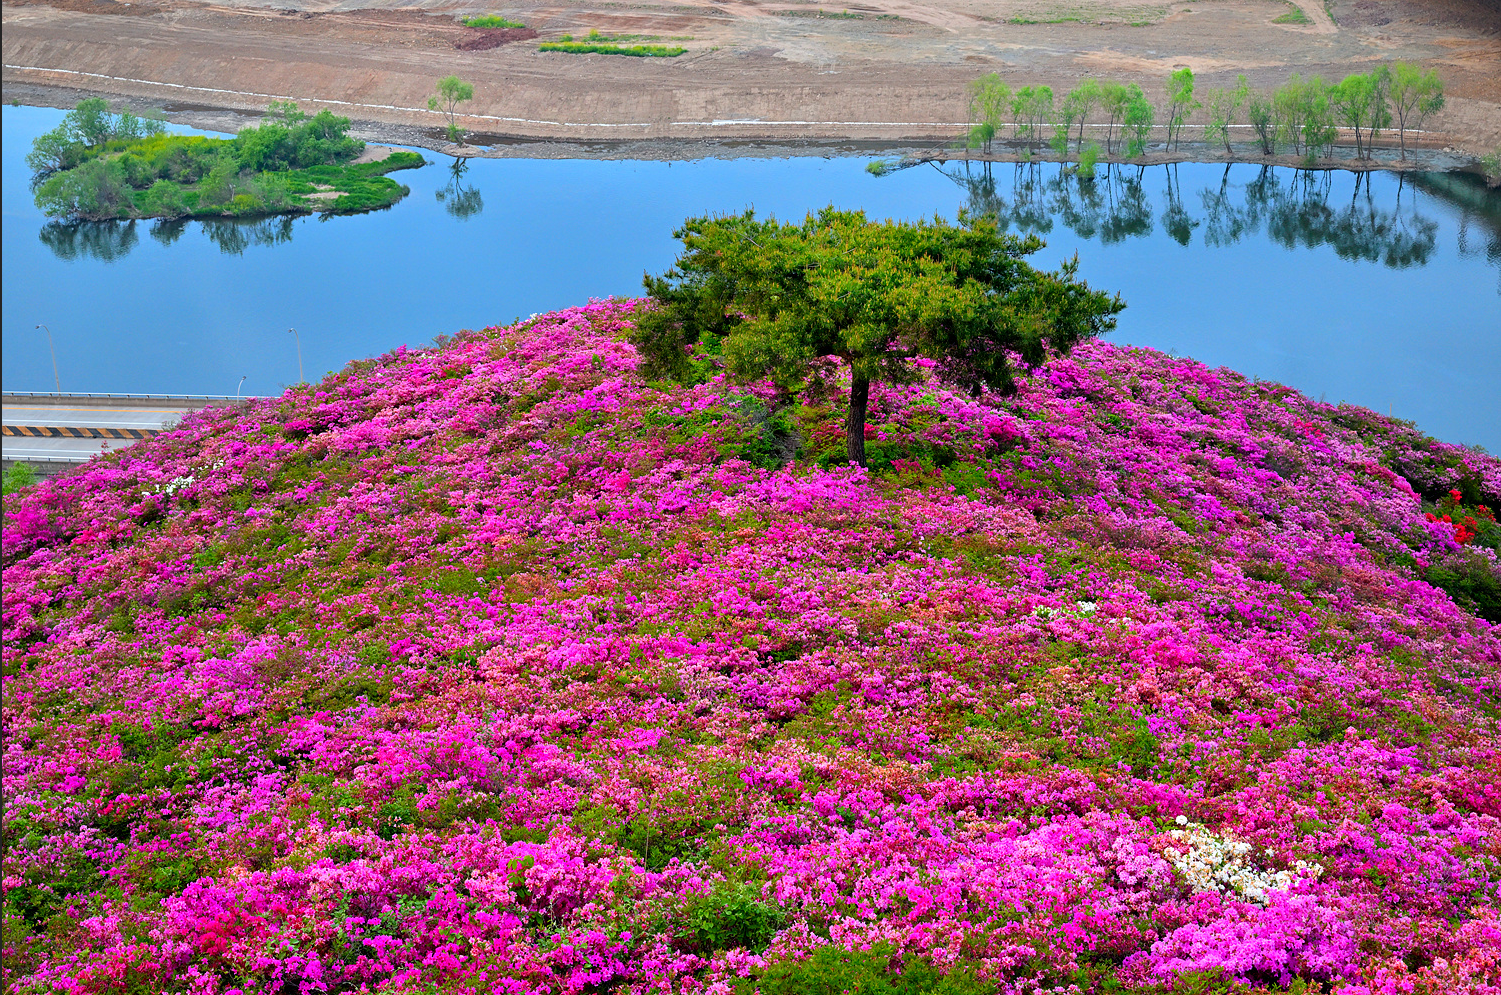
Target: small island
<point>98,166</point>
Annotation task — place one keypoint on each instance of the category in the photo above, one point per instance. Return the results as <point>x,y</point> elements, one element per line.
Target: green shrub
<point>1471,580</point>
<point>832,970</point>
<point>94,191</point>
<point>587,48</point>
<point>1087,160</point>
<point>277,145</point>
<point>730,917</point>
<point>1491,166</point>
<point>163,199</point>
<point>18,476</point>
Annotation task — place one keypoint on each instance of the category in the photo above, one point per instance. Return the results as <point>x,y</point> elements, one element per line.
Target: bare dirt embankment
<point>767,70</point>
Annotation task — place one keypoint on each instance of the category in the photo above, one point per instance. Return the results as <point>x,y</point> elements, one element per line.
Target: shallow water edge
<point>495,145</point>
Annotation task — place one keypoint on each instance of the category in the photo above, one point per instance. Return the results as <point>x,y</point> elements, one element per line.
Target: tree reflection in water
<point>1486,242</point>
<point>1292,208</point>
<point>105,241</point>
<point>1300,208</point>
<point>460,201</point>
<point>233,235</point>
<point>1479,213</point>
<point>168,230</point>
<point>1176,220</point>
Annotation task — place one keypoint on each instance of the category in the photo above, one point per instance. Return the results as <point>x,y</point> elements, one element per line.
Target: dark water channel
<point>1376,289</point>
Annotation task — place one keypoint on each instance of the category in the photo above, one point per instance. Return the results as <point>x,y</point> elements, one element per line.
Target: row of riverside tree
<point>1032,108</point>
<point>1303,115</point>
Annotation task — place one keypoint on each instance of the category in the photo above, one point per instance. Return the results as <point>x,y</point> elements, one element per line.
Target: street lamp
<point>52,350</point>
<point>239,385</point>
<point>300,377</point>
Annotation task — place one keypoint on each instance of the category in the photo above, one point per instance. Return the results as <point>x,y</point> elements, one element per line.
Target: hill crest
<point>491,664</point>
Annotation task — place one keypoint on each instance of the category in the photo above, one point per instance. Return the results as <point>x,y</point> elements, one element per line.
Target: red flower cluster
<point>1310,429</point>
<point>1465,528</point>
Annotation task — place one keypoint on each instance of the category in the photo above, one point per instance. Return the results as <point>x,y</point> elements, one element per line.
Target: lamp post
<point>300,377</point>
<point>239,385</point>
<point>55,379</point>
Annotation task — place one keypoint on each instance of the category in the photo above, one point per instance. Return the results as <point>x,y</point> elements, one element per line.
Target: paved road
<point>50,430</point>
<point>55,450</point>
<point>57,416</point>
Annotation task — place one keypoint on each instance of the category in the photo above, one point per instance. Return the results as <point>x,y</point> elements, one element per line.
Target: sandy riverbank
<point>1420,154</point>
<point>788,72</point>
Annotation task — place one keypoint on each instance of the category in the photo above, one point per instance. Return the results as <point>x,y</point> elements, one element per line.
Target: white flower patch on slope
<point>1211,862</point>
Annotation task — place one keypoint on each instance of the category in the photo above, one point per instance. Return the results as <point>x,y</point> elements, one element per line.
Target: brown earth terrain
<point>767,70</point>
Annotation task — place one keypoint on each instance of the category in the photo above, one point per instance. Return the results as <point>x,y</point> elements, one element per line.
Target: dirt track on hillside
<point>755,69</point>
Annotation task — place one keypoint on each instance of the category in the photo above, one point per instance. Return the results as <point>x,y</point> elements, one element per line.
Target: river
<point>1377,289</point>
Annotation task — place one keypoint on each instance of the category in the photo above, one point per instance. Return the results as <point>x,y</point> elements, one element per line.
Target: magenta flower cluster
<point>494,667</point>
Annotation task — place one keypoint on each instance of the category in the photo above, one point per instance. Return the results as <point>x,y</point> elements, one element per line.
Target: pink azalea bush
<point>493,667</point>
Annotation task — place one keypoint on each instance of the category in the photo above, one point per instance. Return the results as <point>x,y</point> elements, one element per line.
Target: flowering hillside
<point>493,667</point>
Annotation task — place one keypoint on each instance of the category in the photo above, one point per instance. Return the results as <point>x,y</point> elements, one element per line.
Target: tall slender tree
<point>1138,123</point>
<point>1262,116</point>
<point>1290,108</point>
<point>452,91</point>
<point>1415,94</point>
<point>1114,99</point>
<point>1223,106</point>
<point>1181,102</point>
<point>1319,117</point>
<point>1359,100</point>
<point>989,101</point>
<point>1030,107</point>
<point>1079,102</point>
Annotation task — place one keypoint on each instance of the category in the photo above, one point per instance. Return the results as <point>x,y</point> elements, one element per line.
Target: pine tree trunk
<point>854,424</point>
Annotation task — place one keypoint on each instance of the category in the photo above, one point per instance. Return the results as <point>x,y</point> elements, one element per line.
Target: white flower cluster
<point>176,484</point>
<point>1209,862</point>
<point>1083,609</point>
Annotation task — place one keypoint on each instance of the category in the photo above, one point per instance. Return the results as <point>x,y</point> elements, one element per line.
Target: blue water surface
<point>1377,290</point>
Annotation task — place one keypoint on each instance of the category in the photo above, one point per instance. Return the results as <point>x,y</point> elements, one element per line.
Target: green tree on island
<point>1114,99</point>
<point>779,301</point>
<point>87,127</point>
<point>98,166</point>
<point>1304,113</point>
<point>452,91</point>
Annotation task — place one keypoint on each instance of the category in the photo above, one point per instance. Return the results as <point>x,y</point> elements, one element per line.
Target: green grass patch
<point>832,970</point>
<point>491,21</point>
<point>1294,15</point>
<point>598,44</point>
<point>362,187</point>
<point>640,51</point>
<point>843,15</point>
